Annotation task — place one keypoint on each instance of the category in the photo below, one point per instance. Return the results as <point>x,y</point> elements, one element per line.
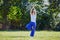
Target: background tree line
<point>14,14</point>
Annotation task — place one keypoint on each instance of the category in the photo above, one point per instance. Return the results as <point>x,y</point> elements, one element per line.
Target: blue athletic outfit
<point>29,27</point>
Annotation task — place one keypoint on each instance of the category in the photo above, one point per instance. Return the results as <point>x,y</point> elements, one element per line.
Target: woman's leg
<point>33,29</point>
<point>32,32</point>
<point>28,26</point>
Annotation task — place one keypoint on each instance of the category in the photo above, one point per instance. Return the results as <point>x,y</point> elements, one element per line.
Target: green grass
<point>24,35</point>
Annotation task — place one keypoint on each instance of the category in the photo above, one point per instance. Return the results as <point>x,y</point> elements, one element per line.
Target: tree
<point>14,16</point>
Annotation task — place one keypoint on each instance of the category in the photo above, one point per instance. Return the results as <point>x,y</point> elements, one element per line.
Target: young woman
<point>32,24</point>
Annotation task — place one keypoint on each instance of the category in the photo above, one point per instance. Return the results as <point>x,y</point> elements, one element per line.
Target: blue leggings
<point>31,26</point>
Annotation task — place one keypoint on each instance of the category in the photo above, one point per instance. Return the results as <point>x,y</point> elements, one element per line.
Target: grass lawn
<point>24,35</point>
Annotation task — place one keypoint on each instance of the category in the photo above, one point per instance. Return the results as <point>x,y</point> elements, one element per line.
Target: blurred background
<point>14,14</point>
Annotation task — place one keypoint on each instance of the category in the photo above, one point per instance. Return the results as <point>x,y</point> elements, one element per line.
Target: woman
<point>32,24</point>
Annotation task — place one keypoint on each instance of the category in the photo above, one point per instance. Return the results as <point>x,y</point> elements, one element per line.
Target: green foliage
<point>1,2</point>
<point>1,18</point>
<point>34,0</point>
<point>0,15</point>
<point>14,13</point>
<point>14,16</point>
<point>17,11</point>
